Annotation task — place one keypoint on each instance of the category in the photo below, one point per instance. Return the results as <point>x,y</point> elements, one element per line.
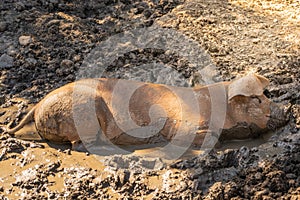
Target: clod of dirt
<point>12,145</point>
<point>3,26</point>
<point>6,61</point>
<point>135,164</point>
<point>25,40</point>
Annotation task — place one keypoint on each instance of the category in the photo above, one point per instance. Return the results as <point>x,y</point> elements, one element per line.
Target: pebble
<point>67,151</point>
<point>291,176</point>
<point>31,61</point>
<point>6,61</point>
<point>11,51</point>
<point>25,40</point>
<point>76,58</point>
<point>3,26</point>
<point>66,63</point>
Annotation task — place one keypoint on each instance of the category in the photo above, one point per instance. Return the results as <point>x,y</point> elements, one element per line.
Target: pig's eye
<point>258,99</point>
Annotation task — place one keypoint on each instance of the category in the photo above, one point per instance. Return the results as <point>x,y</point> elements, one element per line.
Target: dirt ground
<point>44,43</point>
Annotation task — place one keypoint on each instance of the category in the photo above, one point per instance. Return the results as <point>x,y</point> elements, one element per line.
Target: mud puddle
<point>160,150</point>
<point>51,162</point>
<point>250,143</point>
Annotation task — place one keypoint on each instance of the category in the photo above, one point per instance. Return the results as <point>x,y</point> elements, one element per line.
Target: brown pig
<point>127,112</point>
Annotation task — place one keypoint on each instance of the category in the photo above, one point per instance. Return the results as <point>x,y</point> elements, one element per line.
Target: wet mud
<point>44,43</point>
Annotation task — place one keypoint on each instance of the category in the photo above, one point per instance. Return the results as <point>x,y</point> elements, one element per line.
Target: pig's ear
<point>250,85</point>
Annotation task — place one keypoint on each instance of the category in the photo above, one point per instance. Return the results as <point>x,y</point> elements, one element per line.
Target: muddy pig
<point>127,112</point>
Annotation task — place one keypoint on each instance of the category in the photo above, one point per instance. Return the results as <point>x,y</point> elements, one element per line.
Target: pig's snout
<point>279,115</point>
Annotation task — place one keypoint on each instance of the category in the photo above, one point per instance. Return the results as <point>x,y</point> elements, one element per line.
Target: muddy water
<point>253,142</point>
<point>12,169</point>
<point>158,150</point>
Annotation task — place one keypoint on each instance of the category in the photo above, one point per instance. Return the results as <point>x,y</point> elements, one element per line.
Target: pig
<point>125,112</point>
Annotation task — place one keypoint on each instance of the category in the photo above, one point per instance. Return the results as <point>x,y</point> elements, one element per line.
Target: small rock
<point>11,51</point>
<point>6,61</point>
<point>291,176</point>
<point>3,26</point>
<point>258,176</point>
<point>31,61</point>
<point>25,40</point>
<point>67,151</point>
<point>66,63</point>
<point>76,58</point>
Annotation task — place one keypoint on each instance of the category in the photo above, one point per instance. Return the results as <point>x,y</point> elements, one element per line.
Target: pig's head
<point>250,112</point>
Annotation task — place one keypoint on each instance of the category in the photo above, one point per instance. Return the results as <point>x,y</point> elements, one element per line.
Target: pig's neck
<point>213,103</point>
